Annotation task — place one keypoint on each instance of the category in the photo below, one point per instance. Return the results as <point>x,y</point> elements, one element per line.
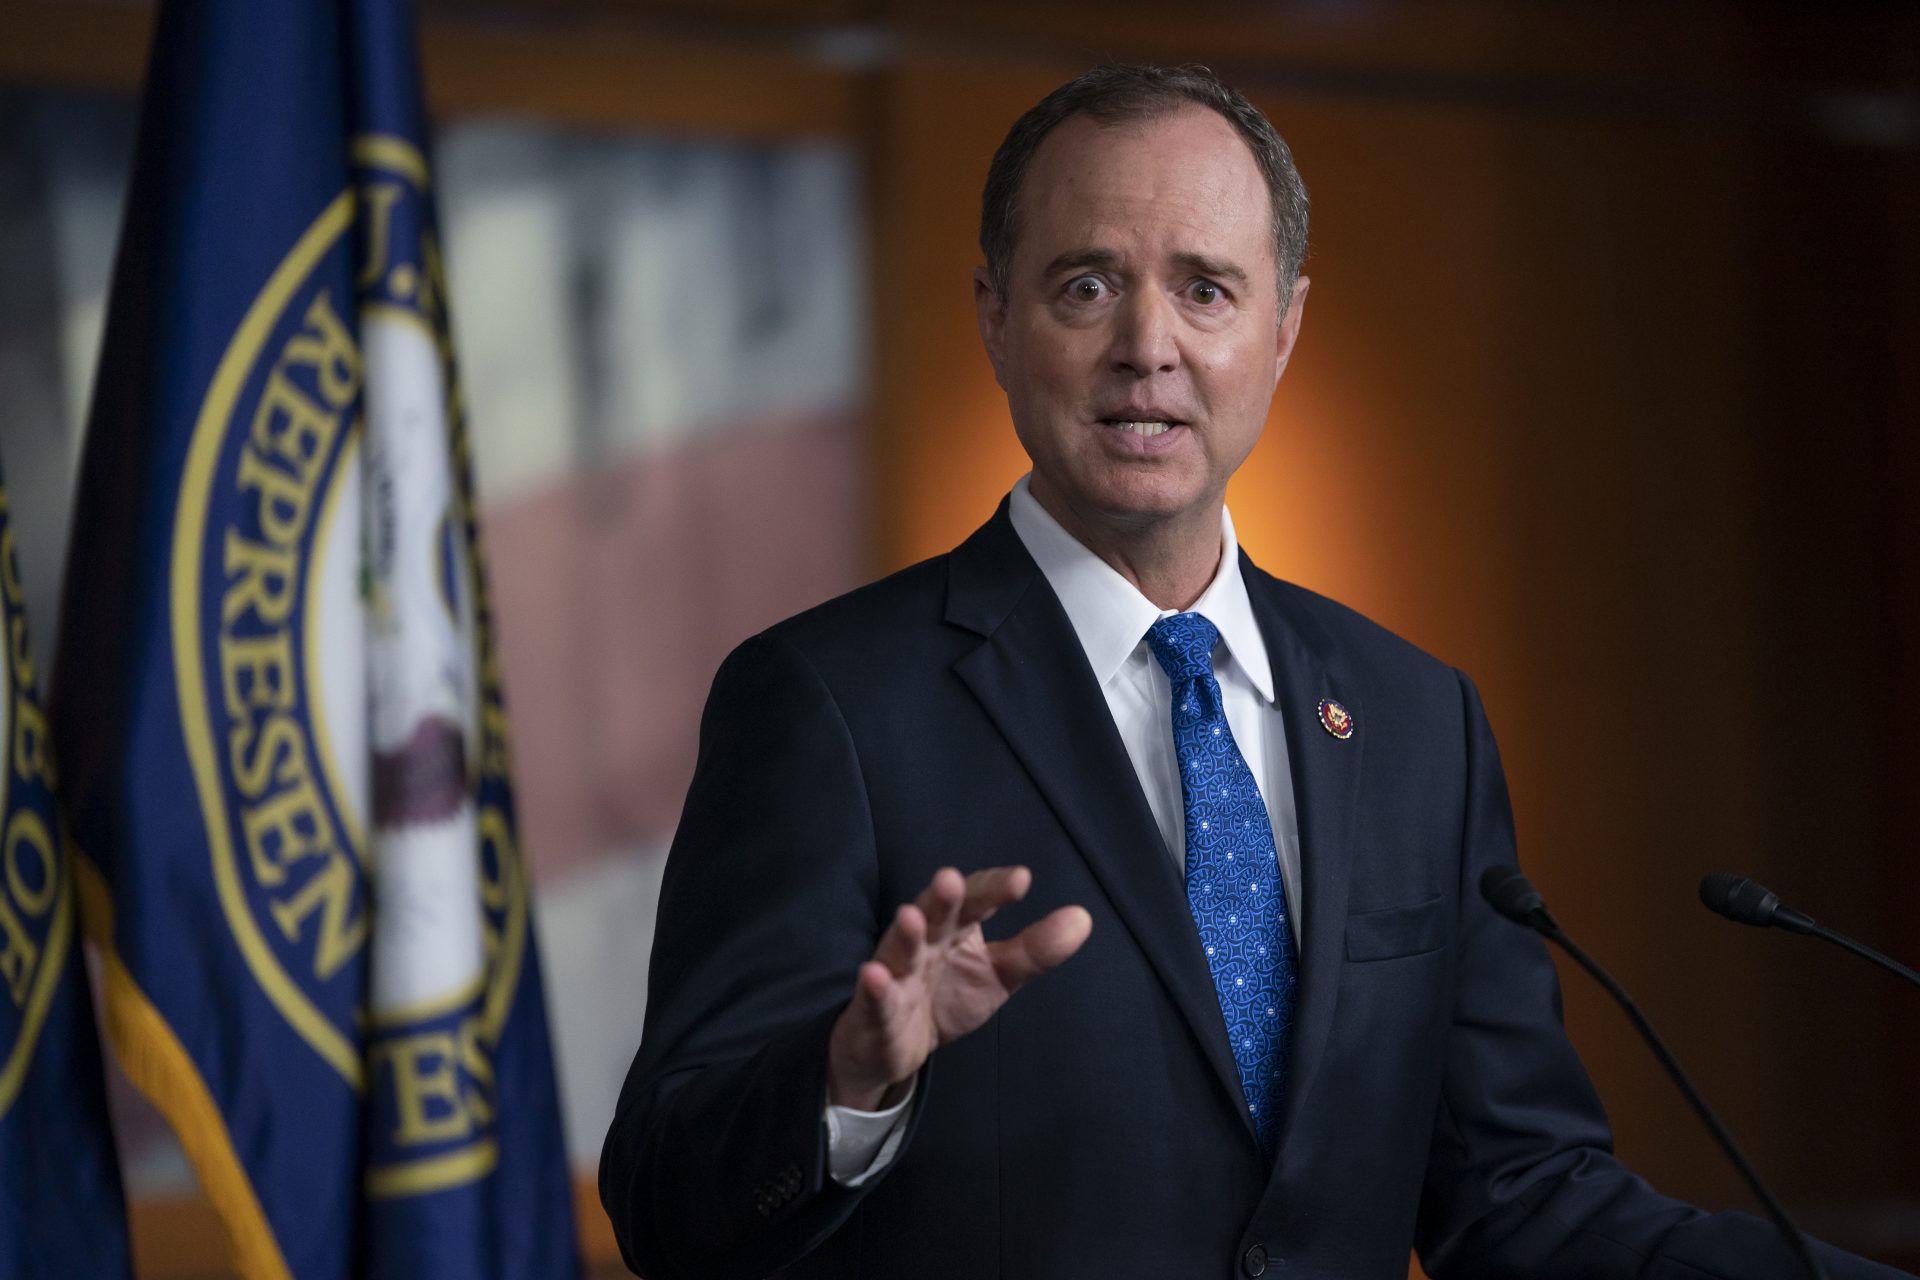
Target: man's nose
<point>1145,334</point>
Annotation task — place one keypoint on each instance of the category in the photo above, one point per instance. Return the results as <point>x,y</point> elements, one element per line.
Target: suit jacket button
<point>1254,1263</point>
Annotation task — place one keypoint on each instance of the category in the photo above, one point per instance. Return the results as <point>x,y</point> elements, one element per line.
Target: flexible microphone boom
<point>1746,901</point>
<point>1509,892</point>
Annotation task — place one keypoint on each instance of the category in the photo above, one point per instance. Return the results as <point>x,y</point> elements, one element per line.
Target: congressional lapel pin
<point>1335,719</point>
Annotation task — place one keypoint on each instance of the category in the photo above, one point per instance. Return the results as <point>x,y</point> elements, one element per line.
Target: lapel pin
<point>1335,719</point>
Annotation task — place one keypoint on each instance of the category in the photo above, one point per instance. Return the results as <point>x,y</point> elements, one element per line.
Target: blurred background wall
<point>1607,393</point>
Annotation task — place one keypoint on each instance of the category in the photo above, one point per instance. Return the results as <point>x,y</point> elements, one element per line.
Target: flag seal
<point>317,499</point>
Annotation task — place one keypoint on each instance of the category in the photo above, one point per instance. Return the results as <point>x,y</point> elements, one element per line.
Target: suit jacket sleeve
<point>715,1163</point>
<point>1521,1180</point>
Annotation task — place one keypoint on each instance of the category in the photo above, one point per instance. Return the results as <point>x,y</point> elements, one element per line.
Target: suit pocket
<point>1397,931</point>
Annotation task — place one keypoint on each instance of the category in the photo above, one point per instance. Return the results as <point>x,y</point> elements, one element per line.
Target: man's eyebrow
<point>1212,268</point>
<point>1106,260</point>
<point>1082,259</point>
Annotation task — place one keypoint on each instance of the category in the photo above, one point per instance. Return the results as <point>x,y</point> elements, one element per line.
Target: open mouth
<point>1147,427</point>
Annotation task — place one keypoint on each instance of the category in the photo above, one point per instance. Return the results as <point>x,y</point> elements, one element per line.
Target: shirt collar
<point>1108,613</point>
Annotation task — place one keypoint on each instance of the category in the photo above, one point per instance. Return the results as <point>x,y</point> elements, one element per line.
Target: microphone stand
<point>1865,952</point>
<point>1787,1225</point>
<point>1511,894</point>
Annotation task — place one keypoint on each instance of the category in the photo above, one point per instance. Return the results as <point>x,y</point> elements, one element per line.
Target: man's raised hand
<point>934,977</point>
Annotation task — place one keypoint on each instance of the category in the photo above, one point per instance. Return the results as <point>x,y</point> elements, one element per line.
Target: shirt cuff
<point>861,1144</point>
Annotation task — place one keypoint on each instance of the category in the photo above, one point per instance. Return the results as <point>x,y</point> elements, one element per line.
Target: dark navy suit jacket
<point>1094,1127</point>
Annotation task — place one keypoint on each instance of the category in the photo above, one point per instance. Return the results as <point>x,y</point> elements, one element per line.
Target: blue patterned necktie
<point>1233,872</point>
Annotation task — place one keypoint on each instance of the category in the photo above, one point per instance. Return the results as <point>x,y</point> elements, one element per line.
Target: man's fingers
<point>940,903</point>
<point>1045,943</point>
<point>865,1045</point>
<point>951,902</point>
<point>899,947</point>
<point>992,889</point>
<point>873,987</point>
<point>1055,937</point>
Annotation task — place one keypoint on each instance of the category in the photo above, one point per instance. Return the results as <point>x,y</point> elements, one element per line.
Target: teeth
<point>1143,428</point>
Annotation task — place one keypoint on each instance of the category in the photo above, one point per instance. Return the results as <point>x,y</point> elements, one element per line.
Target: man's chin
<point>1122,497</point>
<point>1141,510</point>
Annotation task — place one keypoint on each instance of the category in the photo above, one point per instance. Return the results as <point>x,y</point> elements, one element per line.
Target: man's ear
<point>993,323</point>
<point>1288,331</point>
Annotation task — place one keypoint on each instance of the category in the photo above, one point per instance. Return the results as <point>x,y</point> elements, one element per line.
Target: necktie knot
<point>1183,644</point>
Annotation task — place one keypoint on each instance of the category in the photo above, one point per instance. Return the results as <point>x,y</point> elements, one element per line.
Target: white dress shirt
<point>1110,617</point>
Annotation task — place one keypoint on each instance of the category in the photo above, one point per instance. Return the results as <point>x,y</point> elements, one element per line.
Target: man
<point>1285,1036</point>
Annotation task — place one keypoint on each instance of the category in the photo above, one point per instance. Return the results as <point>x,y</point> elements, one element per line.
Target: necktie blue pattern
<point>1233,872</point>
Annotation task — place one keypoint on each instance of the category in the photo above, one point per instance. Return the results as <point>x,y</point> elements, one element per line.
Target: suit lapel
<point>1326,785</point>
<point>1031,676</point>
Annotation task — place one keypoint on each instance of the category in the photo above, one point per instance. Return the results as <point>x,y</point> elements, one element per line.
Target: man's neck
<point>1170,561</point>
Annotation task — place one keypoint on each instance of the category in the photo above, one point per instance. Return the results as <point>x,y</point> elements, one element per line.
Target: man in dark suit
<point>1245,826</point>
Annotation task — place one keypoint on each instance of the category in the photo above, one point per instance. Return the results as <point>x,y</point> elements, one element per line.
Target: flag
<point>278,699</point>
<point>61,1209</point>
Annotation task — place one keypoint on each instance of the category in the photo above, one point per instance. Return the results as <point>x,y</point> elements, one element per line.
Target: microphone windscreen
<point>1509,892</point>
<point>1738,898</point>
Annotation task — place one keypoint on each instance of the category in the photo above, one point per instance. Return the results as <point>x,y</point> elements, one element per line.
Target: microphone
<point>1509,892</point>
<point>1747,901</point>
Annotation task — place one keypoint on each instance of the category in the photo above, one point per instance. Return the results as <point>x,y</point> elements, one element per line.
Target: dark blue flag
<point>61,1210</point>
<point>279,697</point>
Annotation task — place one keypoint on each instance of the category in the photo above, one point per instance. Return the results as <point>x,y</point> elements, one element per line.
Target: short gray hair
<point>1117,93</point>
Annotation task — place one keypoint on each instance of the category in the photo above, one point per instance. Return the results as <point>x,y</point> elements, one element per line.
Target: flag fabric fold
<point>62,1212</point>
<point>279,700</point>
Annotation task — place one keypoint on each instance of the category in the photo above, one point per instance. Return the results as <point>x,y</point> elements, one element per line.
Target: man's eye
<point>1086,289</point>
<point>1204,292</point>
